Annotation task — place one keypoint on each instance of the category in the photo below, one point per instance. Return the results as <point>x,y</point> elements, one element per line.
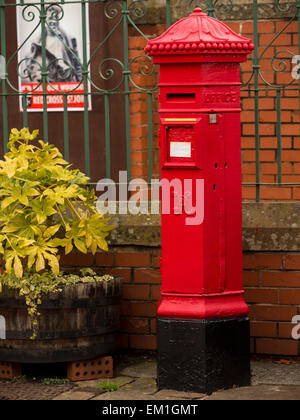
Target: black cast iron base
<point>203,356</point>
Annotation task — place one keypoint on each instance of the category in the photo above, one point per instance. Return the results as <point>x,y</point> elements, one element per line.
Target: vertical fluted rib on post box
<point>203,329</point>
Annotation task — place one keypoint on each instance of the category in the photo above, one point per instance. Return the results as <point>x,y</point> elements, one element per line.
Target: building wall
<point>271,282</point>
<point>289,114</point>
<point>272,292</point>
<point>271,243</point>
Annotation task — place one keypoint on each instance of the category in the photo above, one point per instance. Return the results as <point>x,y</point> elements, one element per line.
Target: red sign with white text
<point>55,101</point>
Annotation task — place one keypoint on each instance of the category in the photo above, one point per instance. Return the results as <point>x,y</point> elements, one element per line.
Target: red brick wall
<point>272,291</point>
<point>272,281</point>
<point>290,130</point>
<point>139,118</point>
<point>267,114</point>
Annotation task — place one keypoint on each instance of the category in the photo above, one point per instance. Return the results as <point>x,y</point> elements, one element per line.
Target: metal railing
<point>123,16</point>
<point>258,83</point>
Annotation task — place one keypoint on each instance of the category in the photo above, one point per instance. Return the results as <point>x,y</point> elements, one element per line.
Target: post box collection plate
<point>180,142</point>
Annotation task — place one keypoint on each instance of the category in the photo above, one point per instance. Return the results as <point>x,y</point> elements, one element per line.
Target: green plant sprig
<point>55,381</point>
<point>108,386</point>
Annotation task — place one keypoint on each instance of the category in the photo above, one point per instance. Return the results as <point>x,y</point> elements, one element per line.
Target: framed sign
<point>55,48</point>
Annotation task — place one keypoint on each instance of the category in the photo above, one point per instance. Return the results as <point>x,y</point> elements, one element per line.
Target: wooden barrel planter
<point>80,323</point>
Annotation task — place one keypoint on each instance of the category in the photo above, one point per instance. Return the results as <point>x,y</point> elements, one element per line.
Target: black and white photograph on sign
<point>60,45</point>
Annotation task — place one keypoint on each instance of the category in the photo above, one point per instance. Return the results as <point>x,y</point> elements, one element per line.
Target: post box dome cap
<point>199,34</point>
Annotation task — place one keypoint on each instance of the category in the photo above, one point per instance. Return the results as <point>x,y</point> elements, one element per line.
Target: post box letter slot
<point>181,97</point>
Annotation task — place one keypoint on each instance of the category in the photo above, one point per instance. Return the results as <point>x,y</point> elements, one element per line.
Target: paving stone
<point>169,398</point>
<point>260,392</point>
<point>147,369</point>
<point>28,390</point>
<point>124,395</point>
<point>121,380</point>
<point>93,391</point>
<point>145,386</point>
<point>271,380</point>
<point>75,395</point>
<point>272,373</point>
<point>169,394</point>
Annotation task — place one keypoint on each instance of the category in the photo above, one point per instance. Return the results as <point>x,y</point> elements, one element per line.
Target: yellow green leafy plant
<point>46,207</point>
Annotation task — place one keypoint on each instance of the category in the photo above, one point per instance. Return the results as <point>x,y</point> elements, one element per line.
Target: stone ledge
<point>240,10</point>
<point>155,11</point>
<point>266,227</point>
<point>271,226</point>
<point>140,230</point>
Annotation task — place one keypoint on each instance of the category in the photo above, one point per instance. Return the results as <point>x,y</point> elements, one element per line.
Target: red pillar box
<point>203,328</point>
